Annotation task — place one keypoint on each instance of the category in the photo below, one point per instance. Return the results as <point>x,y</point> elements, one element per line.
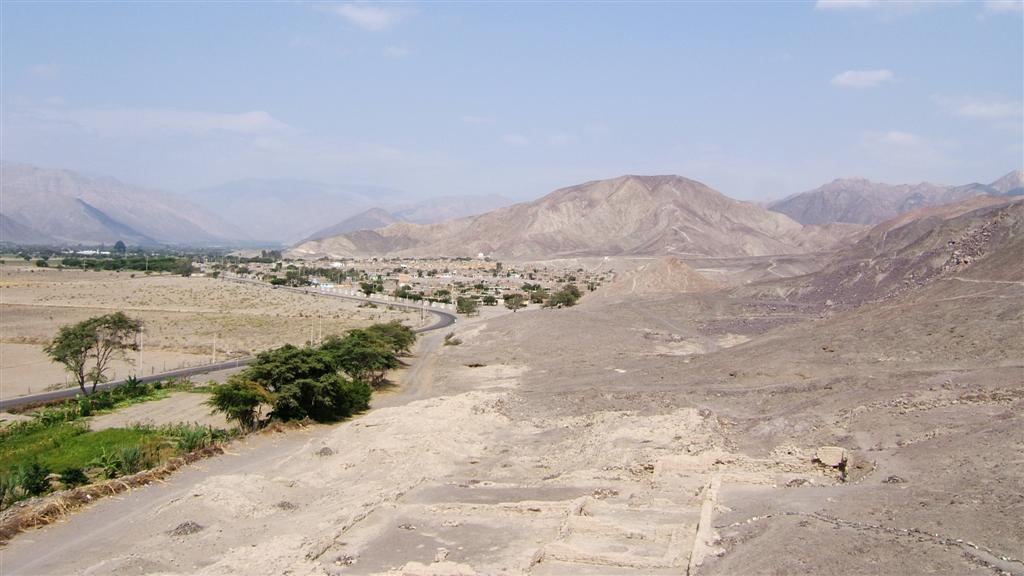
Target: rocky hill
<point>914,250</point>
<point>64,207</point>
<point>640,215</point>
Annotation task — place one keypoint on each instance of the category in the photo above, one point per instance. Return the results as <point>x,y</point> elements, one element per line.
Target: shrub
<point>327,399</point>
<point>73,476</point>
<point>567,296</point>
<point>192,437</point>
<point>33,479</point>
<point>109,462</point>
<point>451,340</point>
<point>130,459</point>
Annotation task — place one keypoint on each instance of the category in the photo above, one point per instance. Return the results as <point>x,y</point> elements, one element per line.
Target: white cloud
<point>863,78</point>
<point>984,108</point>
<point>908,150</point>
<point>515,139</point>
<point>143,122</point>
<point>990,110</point>
<point>397,51</point>
<point>897,138</point>
<point>50,70</point>
<point>845,4</point>
<point>370,17</point>
<point>1004,6</point>
<point>559,139</point>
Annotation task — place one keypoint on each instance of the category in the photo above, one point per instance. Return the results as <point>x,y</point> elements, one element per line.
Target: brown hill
<point>980,236</point>
<point>667,275</point>
<point>636,215</point>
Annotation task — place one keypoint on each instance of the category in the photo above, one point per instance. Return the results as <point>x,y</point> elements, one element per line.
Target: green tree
<point>362,355</point>
<point>239,399</point>
<point>120,248</point>
<point>466,306</point>
<point>86,349</point>
<point>515,301</point>
<point>567,296</point>
<point>325,399</point>
<point>369,288</point>
<point>398,336</point>
<point>490,300</point>
<point>184,267</point>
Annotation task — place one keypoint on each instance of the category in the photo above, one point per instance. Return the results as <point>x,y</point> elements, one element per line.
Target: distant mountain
<point>14,232</point>
<point>1011,184</point>
<point>448,208</point>
<point>625,215</point>
<point>861,201</point>
<point>369,220</point>
<point>66,207</point>
<point>285,211</point>
<point>423,212</point>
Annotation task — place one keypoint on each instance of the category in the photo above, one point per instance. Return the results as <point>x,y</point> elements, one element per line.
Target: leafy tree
<point>515,301</point>
<point>538,296</point>
<point>41,263</point>
<point>466,306</point>
<point>567,296</point>
<point>120,248</point>
<point>490,300</point>
<point>274,369</point>
<point>369,288</point>
<point>325,399</point>
<point>184,267</point>
<point>86,349</point>
<point>239,399</point>
<point>362,355</point>
<point>33,479</point>
<point>398,336</point>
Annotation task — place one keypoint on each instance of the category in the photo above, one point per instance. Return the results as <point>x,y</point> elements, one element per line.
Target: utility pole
<point>138,363</point>
<point>215,348</point>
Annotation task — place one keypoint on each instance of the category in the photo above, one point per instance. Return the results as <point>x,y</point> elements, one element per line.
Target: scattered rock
<point>186,528</point>
<point>345,560</point>
<point>602,493</point>
<point>325,451</point>
<point>441,555</point>
<point>894,480</point>
<point>406,526</point>
<point>286,505</point>
<point>797,482</point>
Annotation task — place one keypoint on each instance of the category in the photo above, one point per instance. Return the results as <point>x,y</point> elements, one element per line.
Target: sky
<point>758,100</point>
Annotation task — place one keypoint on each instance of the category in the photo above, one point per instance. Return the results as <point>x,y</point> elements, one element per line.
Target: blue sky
<point>758,100</point>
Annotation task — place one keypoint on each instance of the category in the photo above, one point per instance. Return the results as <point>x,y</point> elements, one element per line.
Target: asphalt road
<point>444,319</point>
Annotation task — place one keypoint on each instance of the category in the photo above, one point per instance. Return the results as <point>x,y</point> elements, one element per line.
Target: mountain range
<point>46,206</point>
<point>861,201</point>
<point>625,215</point>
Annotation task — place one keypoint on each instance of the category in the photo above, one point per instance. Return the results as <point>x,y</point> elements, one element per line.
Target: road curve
<point>444,320</point>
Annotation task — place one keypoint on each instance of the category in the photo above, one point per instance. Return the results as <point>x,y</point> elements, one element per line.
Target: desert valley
<point>406,288</point>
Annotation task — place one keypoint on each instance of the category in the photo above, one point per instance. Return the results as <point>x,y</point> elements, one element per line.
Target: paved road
<point>444,320</point>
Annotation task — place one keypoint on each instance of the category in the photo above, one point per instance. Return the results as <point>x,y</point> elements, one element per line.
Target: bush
<point>73,476</point>
<point>451,340</point>
<point>361,354</point>
<point>327,399</point>
<point>33,479</point>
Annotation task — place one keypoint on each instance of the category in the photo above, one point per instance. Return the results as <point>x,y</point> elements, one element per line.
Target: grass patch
<point>71,445</point>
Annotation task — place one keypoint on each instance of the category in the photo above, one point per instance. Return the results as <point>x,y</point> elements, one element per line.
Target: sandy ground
<point>180,407</point>
<point>186,319</point>
<point>665,436</point>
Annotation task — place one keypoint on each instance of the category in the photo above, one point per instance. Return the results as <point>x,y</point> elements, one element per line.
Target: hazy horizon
<point>516,100</point>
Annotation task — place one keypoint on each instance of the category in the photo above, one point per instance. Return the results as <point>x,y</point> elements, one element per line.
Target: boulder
<point>833,456</point>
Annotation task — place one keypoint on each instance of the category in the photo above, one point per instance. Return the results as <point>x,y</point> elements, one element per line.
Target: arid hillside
<point>626,215</point>
<point>979,236</point>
